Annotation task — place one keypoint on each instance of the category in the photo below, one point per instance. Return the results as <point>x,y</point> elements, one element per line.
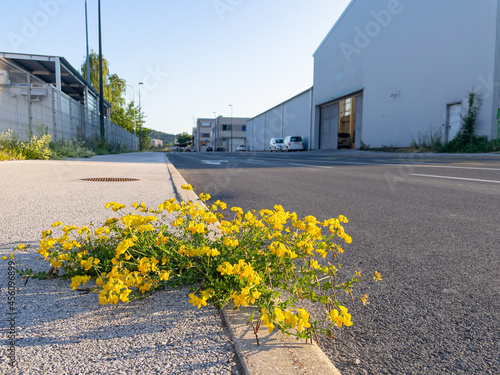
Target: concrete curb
<point>277,353</point>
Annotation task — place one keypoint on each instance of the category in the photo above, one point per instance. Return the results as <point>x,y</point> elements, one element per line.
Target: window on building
<point>205,135</point>
<point>244,128</point>
<point>205,124</point>
<point>226,127</point>
<point>348,103</point>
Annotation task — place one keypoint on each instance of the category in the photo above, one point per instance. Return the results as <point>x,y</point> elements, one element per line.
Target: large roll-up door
<point>329,120</point>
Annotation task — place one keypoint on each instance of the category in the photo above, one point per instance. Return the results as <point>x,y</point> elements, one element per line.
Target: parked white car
<point>275,144</point>
<point>241,148</point>
<point>293,143</point>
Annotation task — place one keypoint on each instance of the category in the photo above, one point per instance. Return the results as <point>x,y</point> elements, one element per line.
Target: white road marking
<point>309,165</point>
<point>455,178</point>
<point>353,162</point>
<point>452,167</point>
<point>213,162</point>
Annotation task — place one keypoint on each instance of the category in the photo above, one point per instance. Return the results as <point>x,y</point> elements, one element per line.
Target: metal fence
<point>28,105</point>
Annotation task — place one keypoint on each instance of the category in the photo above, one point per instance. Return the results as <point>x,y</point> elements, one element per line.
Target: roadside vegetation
<point>270,259</point>
<point>41,146</point>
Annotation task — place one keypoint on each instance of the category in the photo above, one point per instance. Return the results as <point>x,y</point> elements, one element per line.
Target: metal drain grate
<point>109,179</point>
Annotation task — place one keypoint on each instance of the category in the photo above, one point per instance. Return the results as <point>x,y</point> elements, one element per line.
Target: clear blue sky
<point>194,56</point>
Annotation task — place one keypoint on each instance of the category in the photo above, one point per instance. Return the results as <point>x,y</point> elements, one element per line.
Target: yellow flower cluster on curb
<point>250,258</point>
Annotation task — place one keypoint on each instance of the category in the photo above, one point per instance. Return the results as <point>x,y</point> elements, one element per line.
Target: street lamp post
<point>101,89</point>
<point>133,100</point>
<point>140,118</point>
<point>215,131</point>
<point>87,39</point>
<point>231,147</point>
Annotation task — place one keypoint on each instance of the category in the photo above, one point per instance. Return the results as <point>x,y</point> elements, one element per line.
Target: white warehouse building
<point>292,117</point>
<point>391,69</point>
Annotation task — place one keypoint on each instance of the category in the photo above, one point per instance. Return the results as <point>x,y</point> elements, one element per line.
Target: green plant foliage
<point>70,149</point>
<point>100,147</point>
<point>267,258</point>
<point>38,147</point>
<point>184,137</point>
<point>430,141</point>
<point>114,88</point>
<point>466,141</point>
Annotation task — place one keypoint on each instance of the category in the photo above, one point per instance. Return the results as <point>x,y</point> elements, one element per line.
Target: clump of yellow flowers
<point>250,259</point>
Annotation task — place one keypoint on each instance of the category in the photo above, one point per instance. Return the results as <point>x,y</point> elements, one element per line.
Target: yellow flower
<point>164,275</point>
<point>204,197</point>
<point>5,257</point>
<point>291,319</point>
<point>279,314</point>
<point>377,276</point>
<point>197,301</point>
<point>343,318</point>
<point>364,299</point>
<point>123,246</point>
<point>187,187</point>
<point>56,224</point>
<point>303,320</point>
<point>110,221</point>
<point>87,264</point>
<point>267,322</point>
<point>77,280</point>
<point>225,269</point>
<point>222,205</point>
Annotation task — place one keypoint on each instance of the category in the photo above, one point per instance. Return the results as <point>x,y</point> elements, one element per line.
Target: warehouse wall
<point>292,117</point>
<point>410,59</point>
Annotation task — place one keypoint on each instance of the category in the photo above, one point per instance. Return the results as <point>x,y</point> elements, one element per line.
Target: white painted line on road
<point>353,162</point>
<point>309,165</point>
<point>455,178</point>
<point>452,167</point>
<point>213,162</point>
<point>256,161</point>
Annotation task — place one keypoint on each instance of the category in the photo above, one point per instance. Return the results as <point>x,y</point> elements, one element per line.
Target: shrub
<point>101,147</point>
<point>36,148</point>
<point>70,149</point>
<point>466,141</point>
<point>252,258</point>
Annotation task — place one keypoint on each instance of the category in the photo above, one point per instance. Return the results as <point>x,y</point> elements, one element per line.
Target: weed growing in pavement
<point>251,258</point>
<point>466,141</point>
<point>430,141</point>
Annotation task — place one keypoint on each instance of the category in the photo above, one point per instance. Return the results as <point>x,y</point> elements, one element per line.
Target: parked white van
<point>293,143</point>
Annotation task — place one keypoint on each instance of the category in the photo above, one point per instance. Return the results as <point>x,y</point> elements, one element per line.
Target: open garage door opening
<point>339,122</point>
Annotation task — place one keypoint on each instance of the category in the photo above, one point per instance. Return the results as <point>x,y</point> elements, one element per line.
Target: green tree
<point>183,137</point>
<point>114,91</point>
<point>146,140</point>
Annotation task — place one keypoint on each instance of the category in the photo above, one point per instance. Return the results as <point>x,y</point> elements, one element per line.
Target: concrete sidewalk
<point>61,332</point>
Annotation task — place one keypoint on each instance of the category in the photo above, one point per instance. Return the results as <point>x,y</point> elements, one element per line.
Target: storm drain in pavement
<point>110,179</point>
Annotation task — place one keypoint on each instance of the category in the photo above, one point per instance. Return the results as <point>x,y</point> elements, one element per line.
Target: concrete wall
<point>292,117</point>
<point>410,59</point>
<point>55,113</point>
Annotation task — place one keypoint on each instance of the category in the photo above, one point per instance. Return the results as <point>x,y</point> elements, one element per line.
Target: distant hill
<point>168,139</point>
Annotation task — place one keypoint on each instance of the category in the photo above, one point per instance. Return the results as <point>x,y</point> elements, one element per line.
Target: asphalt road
<point>430,225</point>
